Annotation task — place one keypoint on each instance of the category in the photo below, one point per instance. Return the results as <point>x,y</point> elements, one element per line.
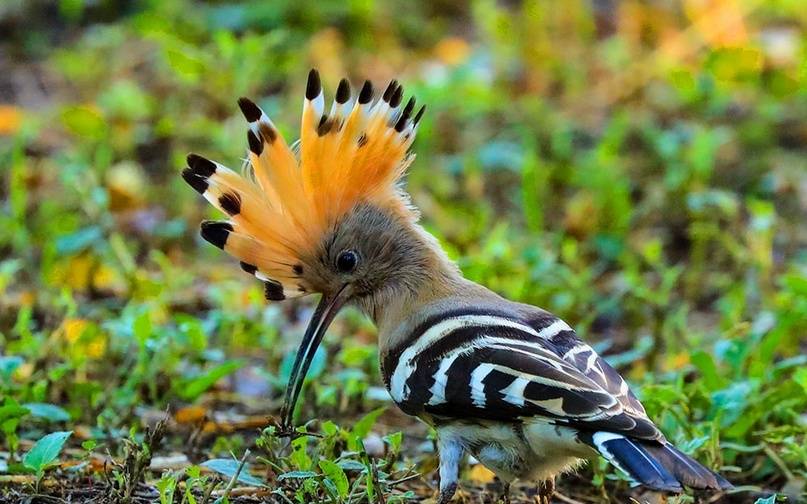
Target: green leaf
<point>9,364</point>
<point>80,240</point>
<point>84,121</point>
<point>228,468</point>
<point>800,377</point>
<point>370,483</point>
<point>186,65</point>
<point>191,389</point>
<point>365,423</point>
<point>45,451</point>
<point>352,465</point>
<point>394,441</point>
<point>12,409</point>
<point>297,475</point>
<point>141,327</point>
<point>49,412</point>
<point>706,365</point>
<point>299,456</point>
<point>329,428</point>
<point>335,473</point>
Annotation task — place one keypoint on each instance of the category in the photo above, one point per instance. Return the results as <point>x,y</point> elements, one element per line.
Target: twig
<point>279,492</point>
<point>404,479</point>
<point>229,488</point>
<point>379,491</point>
<point>248,490</point>
<point>208,493</point>
<point>779,462</point>
<point>563,498</point>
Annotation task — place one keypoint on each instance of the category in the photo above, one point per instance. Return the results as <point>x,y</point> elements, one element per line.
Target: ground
<point>637,168</point>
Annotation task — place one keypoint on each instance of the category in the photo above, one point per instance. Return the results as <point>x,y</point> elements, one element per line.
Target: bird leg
<point>545,491</point>
<point>446,493</point>
<point>506,492</point>
<point>450,452</point>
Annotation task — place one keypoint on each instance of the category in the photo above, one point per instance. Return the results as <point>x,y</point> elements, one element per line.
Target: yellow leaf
<point>105,277</point>
<point>678,361</point>
<point>452,50</point>
<point>24,371</point>
<point>96,348</point>
<point>190,414</point>
<point>127,186</point>
<point>27,298</point>
<point>10,119</point>
<point>74,273</point>
<point>481,474</point>
<point>73,328</point>
<point>580,219</point>
<point>719,22</point>
<point>84,338</point>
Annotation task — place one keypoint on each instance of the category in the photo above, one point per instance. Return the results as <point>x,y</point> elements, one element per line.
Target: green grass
<point>642,174</point>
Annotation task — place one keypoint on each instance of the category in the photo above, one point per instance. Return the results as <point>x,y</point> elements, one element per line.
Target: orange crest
<point>355,153</point>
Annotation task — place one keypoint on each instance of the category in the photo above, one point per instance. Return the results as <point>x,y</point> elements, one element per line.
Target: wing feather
<point>509,374</point>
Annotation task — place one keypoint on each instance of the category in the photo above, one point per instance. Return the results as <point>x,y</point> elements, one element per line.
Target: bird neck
<point>432,279</point>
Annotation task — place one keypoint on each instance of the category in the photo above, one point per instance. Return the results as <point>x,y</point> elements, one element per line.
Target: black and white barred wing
<point>564,342</point>
<point>494,367</point>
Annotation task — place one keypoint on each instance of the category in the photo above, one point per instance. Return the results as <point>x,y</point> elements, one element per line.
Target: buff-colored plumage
<point>355,153</point>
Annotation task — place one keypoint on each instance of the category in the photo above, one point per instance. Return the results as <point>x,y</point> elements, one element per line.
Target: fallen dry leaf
<point>190,414</point>
<point>10,119</point>
<point>480,474</point>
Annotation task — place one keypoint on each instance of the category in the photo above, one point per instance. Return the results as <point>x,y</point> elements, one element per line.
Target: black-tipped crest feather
<point>419,115</point>
<point>198,183</point>
<point>249,268</point>
<point>396,98</point>
<point>313,87</point>
<point>216,232</point>
<point>273,291</point>
<point>399,127</point>
<point>366,93</point>
<point>201,166</point>
<point>393,85</point>
<point>255,143</point>
<point>343,91</point>
<point>251,111</point>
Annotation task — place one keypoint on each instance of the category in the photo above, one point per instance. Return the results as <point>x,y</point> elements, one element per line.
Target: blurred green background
<point>637,167</point>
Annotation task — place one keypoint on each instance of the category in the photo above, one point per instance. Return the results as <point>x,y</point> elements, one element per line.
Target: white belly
<point>532,451</point>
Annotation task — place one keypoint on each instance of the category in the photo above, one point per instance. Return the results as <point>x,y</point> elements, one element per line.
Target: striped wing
<point>573,350</point>
<point>499,366</point>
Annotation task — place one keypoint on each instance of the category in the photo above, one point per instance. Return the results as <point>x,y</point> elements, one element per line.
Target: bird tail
<point>659,466</point>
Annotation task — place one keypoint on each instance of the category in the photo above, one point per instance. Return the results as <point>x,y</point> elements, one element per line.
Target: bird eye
<point>346,262</point>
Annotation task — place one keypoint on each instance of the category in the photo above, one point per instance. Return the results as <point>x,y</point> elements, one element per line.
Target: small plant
<point>44,452</point>
<point>137,457</point>
<point>656,203</point>
<point>166,486</point>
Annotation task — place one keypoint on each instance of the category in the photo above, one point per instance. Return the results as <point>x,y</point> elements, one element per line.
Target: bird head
<point>324,214</point>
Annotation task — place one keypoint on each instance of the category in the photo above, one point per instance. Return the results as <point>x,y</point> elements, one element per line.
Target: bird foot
<point>447,493</point>
<point>504,498</point>
<point>546,489</point>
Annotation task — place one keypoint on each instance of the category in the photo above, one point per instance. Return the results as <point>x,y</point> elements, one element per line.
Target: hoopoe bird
<point>510,383</point>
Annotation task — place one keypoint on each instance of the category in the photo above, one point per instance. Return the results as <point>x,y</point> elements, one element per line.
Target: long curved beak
<point>326,310</point>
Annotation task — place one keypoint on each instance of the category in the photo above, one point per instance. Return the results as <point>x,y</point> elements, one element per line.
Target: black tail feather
<point>687,470</point>
<point>657,466</point>
<point>632,458</point>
